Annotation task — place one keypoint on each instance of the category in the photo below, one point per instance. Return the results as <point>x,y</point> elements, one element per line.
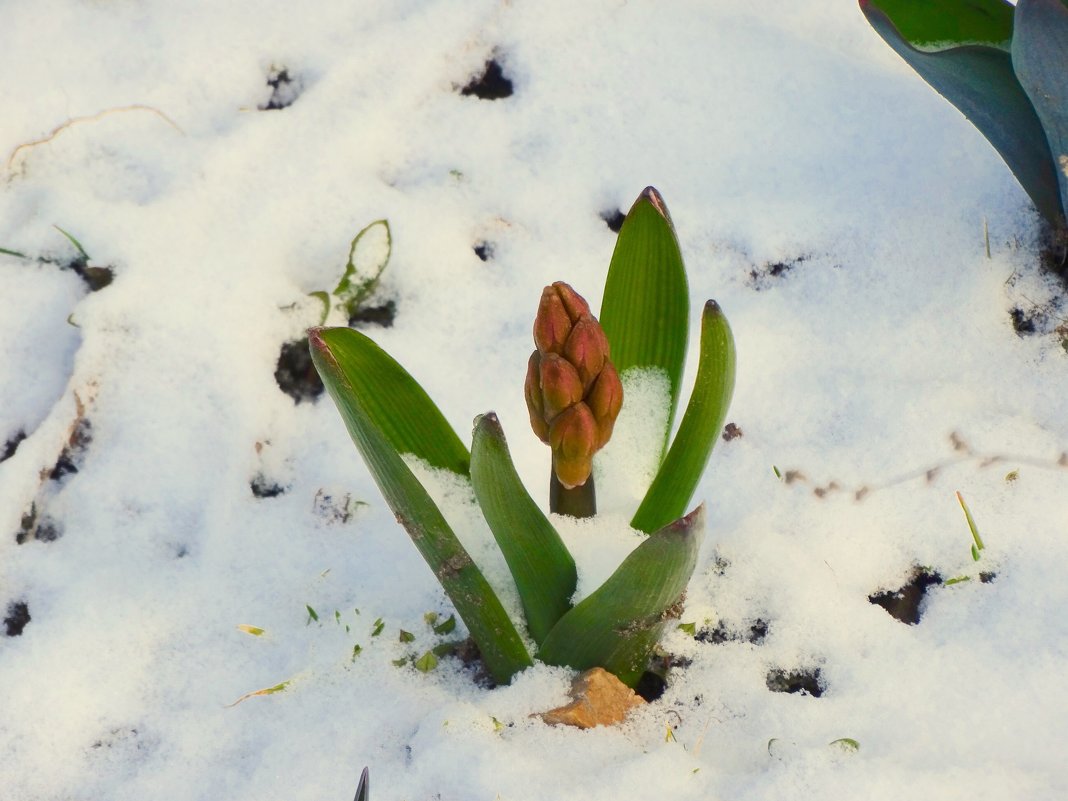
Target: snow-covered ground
<point>823,194</point>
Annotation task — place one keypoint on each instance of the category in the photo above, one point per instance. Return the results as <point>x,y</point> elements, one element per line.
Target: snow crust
<point>829,201</point>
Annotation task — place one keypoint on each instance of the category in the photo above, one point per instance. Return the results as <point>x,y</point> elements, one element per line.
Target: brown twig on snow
<point>87,118</point>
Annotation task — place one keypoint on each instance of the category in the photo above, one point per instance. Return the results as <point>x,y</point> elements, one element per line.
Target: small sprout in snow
<point>356,650</point>
<point>775,470</point>
<point>978,546</point>
<point>847,744</point>
<point>378,626</point>
<point>1012,475</point>
<point>688,628</point>
<point>313,616</point>
<point>406,636</point>
<point>430,618</point>
<point>255,631</point>
<point>266,691</point>
<point>400,662</point>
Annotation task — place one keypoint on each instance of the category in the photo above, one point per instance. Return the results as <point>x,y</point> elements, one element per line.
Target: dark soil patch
<point>382,315</point>
<point>770,273</point>
<point>285,89</point>
<point>492,84</point>
<point>1023,323</point>
<point>731,431</point>
<point>73,454</point>
<point>12,445</point>
<point>38,527</point>
<point>262,487</point>
<point>18,615</point>
<point>484,250</point>
<point>720,634</point>
<point>905,603</point>
<point>805,682</point>
<point>296,374</point>
<point>613,218</point>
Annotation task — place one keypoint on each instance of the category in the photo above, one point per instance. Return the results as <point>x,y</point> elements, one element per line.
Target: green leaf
<point>312,614</point>
<point>447,627</point>
<point>14,253</point>
<point>846,744</point>
<point>352,381</point>
<point>377,627</point>
<point>540,563</point>
<point>618,626</point>
<point>646,304</point>
<point>394,402</point>
<point>427,662</point>
<point>1040,58</point>
<point>368,256</point>
<point>937,24</point>
<point>680,472</point>
<point>406,636</point>
<point>979,80</point>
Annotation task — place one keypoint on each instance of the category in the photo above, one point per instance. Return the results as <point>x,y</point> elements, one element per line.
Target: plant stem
<point>579,501</point>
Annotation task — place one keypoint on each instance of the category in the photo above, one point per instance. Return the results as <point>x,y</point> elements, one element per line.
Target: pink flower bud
<point>535,406</point>
<point>561,385</point>
<point>553,324</point>
<point>573,438</point>
<point>587,349</point>
<point>605,400</point>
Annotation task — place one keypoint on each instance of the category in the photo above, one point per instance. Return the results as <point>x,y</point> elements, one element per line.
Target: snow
<point>778,136</point>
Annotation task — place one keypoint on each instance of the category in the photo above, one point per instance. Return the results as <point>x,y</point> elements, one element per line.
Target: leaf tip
<point>654,197</point>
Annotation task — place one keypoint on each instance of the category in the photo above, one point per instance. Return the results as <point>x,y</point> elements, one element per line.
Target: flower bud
<point>605,400</point>
<point>553,323</point>
<point>572,390</point>
<point>573,437</point>
<point>561,385</point>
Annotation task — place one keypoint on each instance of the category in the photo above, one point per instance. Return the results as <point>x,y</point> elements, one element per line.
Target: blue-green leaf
<point>699,430</point>
<point>618,626</point>
<point>979,80</point>
<point>938,24</point>
<point>1040,58</point>
<point>540,563</point>
<point>394,401</point>
<point>646,304</point>
<point>340,359</point>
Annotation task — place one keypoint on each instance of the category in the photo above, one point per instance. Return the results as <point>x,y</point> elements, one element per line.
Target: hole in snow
<point>492,84</point>
<point>12,445</point>
<point>805,682</point>
<point>904,603</point>
<point>484,250</point>
<point>18,615</point>
<point>262,487</point>
<point>613,218</point>
<point>285,89</point>
<point>295,372</point>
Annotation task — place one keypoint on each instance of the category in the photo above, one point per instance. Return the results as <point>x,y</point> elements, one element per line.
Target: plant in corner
<point>574,393</point>
<point>1006,69</point>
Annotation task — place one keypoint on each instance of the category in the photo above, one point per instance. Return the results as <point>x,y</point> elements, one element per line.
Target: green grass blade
<point>1040,58</point>
<point>70,238</point>
<point>681,470</point>
<point>351,387</point>
<point>541,565</point>
<point>646,304</point>
<point>618,626</point>
<point>938,24</point>
<point>394,401</point>
<point>14,253</point>
<point>980,81</point>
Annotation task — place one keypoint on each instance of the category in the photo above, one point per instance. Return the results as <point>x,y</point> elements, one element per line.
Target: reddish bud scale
<point>572,390</point>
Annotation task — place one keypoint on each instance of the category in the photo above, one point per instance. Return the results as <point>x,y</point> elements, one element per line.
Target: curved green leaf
<point>937,24</point>
<point>699,430</point>
<point>394,401</point>
<point>980,82</point>
<point>337,358</point>
<point>367,261</point>
<point>1040,58</point>
<point>646,304</point>
<point>618,626</point>
<point>540,563</point>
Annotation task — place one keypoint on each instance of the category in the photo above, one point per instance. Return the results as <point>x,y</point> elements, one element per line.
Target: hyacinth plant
<point>573,393</point>
<point>1005,68</point>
